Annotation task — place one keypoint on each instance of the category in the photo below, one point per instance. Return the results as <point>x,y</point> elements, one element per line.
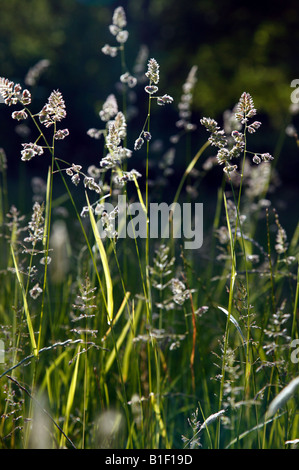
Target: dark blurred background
<point>237,47</point>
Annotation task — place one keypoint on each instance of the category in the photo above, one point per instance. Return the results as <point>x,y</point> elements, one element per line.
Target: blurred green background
<point>236,46</point>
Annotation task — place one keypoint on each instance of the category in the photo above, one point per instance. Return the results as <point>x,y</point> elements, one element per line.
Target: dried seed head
<point>54,110</point>
<point>26,97</point>
<point>266,157</point>
<point>36,224</point>
<point>109,50</point>
<point>46,260</point>
<point>19,115</point>
<point>245,108</point>
<point>138,143</point>
<point>165,99</point>
<point>126,176</point>
<point>119,17</point>
<point>122,36</point>
<point>120,125</point>
<point>35,291</point>
<point>128,79</point>
<point>153,71</point>
<point>229,168</point>
<point>191,80</point>
<point>3,160</point>
<point>109,109</point>
<point>75,179</point>
<point>30,150</point>
<point>180,293</point>
<point>90,183</point>
<point>11,93</point>
<point>281,245</point>
<point>147,136</point>
<point>210,124</point>
<point>35,72</point>
<point>254,126</point>
<point>186,101</point>
<point>113,138</point>
<point>256,159</point>
<point>7,90</point>
<point>151,89</point>
<point>61,134</point>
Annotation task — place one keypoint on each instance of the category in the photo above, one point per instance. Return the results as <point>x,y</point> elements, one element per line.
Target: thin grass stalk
<point>229,309</point>
<point>247,350</point>
<point>147,211</point>
<point>180,187</point>
<point>85,391</point>
<point>189,168</point>
<point>26,307</point>
<point>16,339</point>
<point>125,399</point>
<point>238,221</point>
<point>3,188</point>
<point>216,223</point>
<point>109,285</point>
<point>294,333</point>
<point>46,241</point>
<point>70,399</point>
<point>42,408</point>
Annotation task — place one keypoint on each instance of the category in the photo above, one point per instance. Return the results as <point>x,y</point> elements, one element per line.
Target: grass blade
<point>109,285</point>
<point>119,342</point>
<point>235,323</point>
<point>70,398</point>
<point>189,168</point>
<point>26,308</point>
<point>255,428</point>
<point>285,395</point>
<point>117,316</point>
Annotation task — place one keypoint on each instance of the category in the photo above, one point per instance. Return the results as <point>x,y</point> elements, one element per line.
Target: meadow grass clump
<point>137,342</point>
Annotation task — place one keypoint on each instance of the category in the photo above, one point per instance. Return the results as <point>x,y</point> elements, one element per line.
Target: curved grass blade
<point>189,168</point>
<point>70,399</point>
<point>285,395</point>
<point>25,303</point>
<point>235,323</point>
<point>42,408</point>
<point>140,195</point>
<point>255,428</point>
<point>109,285</point>
<point>115,319</point>
<point>120,340</point>
<point>210,419</point>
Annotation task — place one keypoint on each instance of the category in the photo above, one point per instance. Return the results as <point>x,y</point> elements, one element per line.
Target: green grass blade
<point>25,304</point>
<point>140,195</point>
<point>109,285</point>
<point>284,395</point>
<point>255,428</point>
<point>70,399</point>
<point>235,323</point>
<point>117,316</point>
<point>189,168</point>
<point>119,342</point>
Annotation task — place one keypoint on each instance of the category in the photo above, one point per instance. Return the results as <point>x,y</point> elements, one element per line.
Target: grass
<point>138,343</point>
